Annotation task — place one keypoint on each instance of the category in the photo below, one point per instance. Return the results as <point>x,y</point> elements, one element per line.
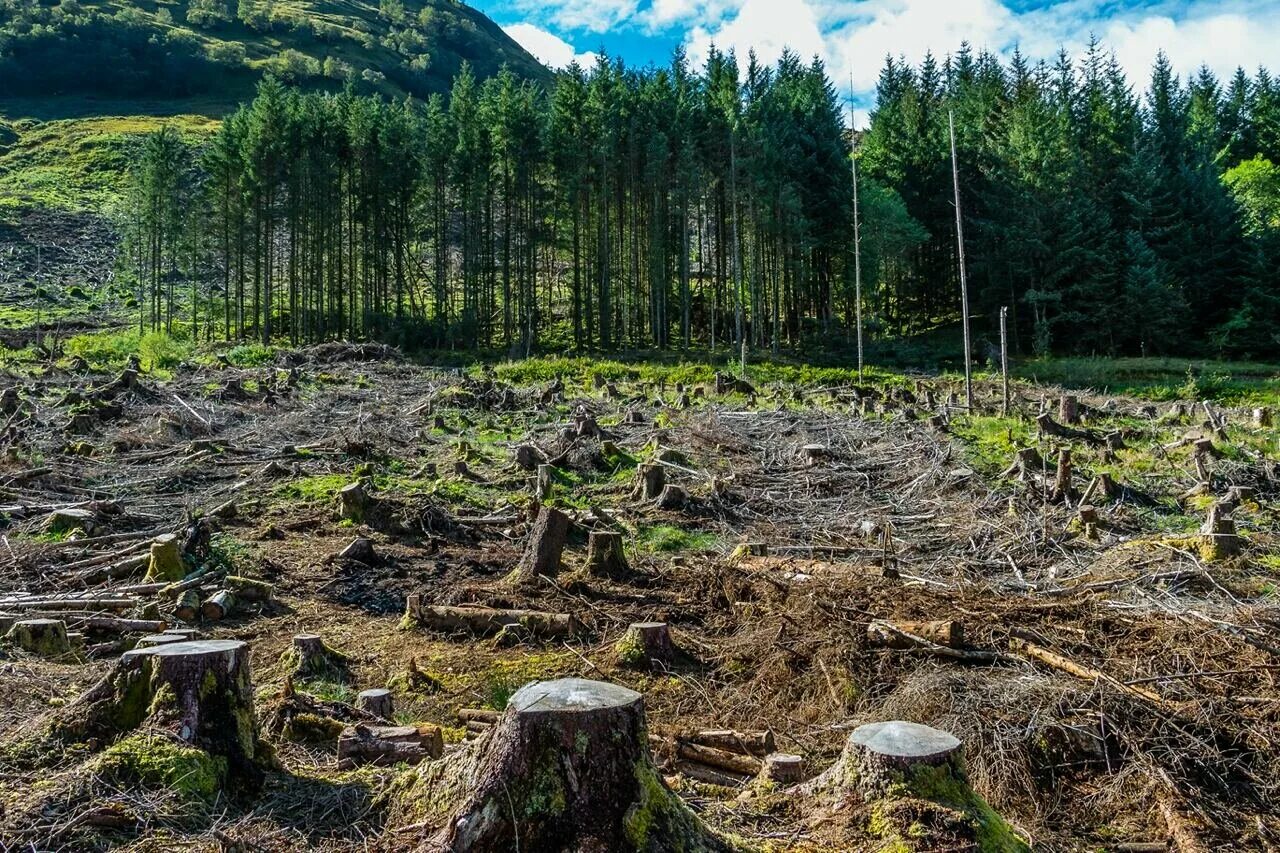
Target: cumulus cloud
<point>548,48</point>
<point>765,26</point>
<point>595,16</point>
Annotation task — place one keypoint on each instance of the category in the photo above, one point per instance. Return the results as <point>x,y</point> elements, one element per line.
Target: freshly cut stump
<point>884,752</point>
<point>566,767</point>
<point>200,691</point>
<point>43,637</point>
<point>782,768</point>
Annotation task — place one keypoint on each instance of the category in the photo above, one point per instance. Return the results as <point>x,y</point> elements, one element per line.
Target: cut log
<point>116,625</point>
<point>384,746</point>
<point>377,702</point>
<point>486,621</point>
<point>166,560</point>
<point>646,644</point>
<point>605,556</point>
<point>220,605</point>
<point>188,606</point>
<point>758,744</point>
<point>733,762</point>
<point>782,768</point>
<point>151,640</point>
<point>250,589</point>
<point>43,637</point>
<point>949,633</point>
<point>478,715</point>
<point>545,547</point>
<point>567,767</point>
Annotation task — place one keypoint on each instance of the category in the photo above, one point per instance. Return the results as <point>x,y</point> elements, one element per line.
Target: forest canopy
<point>671,207</point>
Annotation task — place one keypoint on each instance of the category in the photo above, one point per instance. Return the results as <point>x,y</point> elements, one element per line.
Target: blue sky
<point>854,36</point>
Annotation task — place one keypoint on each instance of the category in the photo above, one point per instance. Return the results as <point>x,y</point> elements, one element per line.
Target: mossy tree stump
<point>312,658</point>
<point>44,637</point>
<point>166,560</point>
<point>605,555</point>
<point>200,691</point>
<point>566,767</point>
<point>901,770</point>
<point>646,644</point>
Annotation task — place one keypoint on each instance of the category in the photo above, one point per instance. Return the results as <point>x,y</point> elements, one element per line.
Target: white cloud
<point>547,48</point>
<point>765,26</point>
<point>595,16</point>
<point>1223,42</point>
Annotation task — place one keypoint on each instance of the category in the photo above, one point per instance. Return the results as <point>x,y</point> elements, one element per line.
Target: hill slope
<point>220,48</point>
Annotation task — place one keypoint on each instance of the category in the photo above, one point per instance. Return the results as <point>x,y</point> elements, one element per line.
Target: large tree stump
<point>546,545</point>
<point>1062,478</point>
<point>528,457</point>
<point>354,503</point>
<point>1069,409</point>
<point>673,497</point>
<point>200,691</point>
<point>605,556</point>
<point>566,767</point>
<point>44,637</point>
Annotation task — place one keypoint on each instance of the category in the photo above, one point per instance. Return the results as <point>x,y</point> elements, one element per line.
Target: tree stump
<point>70,519</point>
<point>545,482</point>
<point>650,481</point>
<point>1069,409</point>
<point>200,691</point>
<point>546,545</point>
<point>528,457</point>
<point>311,657</point>
<point>44,637</point>
<point>166,560</point>
<point>353,502</point>
<point>360,550</point>
<point>646,644</point>
<point>1027,462</point>
<point>1262,418</point>
<point>878,755</point>
<point>673,497</point>
<point>1062,479</point>
<point>1218,535</point>
<point>814,454</point>
<point>566,767</point>
<point>377,702</point>
<point>605,556</point>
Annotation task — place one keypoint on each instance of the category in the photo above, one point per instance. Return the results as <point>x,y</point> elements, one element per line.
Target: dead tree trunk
<point>546,545</point>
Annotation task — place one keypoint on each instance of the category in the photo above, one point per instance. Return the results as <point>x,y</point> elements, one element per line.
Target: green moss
<point>940,785</point>
<point>312,728</point>
<point>660,817</point>
<point>157,761</point>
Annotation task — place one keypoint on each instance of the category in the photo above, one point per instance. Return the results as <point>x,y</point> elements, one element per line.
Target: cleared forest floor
<point>1114,683</point>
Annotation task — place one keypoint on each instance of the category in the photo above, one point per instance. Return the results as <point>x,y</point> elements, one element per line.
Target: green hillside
<point>138,49</point>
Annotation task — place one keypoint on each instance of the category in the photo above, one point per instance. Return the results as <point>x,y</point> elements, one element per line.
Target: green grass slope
<point>218,49</point>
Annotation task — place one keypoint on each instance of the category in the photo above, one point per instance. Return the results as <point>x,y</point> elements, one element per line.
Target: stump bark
<point>673,497</point>
<point>311,657</point>
<point>605,556</point>
<point>650,481</point>
<point>546,545</point>
<point>566,767</point>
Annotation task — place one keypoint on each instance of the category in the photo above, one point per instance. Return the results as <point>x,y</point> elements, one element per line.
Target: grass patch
<point>665,539</point>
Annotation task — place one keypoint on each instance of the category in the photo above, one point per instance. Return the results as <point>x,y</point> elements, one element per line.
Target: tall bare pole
<point>964,280</point>
<point>1004,354</point>
<point>857,228</point>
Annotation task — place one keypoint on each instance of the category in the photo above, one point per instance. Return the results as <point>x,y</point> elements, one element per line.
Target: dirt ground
<point>1115,685</point>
